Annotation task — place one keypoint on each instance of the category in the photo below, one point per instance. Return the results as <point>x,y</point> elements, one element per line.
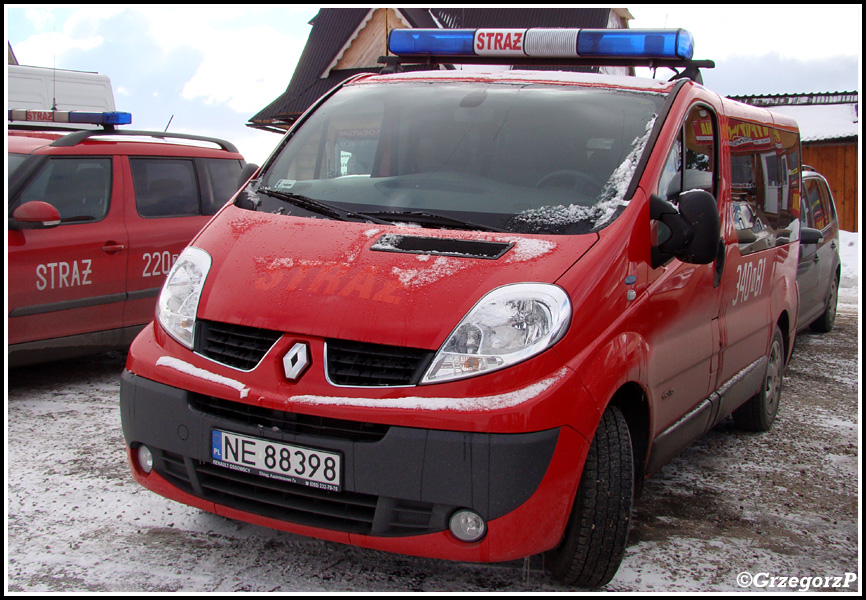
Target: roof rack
<point>79,136</point>
<point>690,68</point>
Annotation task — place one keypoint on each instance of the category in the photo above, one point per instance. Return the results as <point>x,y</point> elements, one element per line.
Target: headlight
<point>508,325</point>
<point>178,301</point>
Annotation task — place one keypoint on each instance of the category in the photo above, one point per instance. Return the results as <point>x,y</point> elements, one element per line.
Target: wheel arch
<point>632,401</point>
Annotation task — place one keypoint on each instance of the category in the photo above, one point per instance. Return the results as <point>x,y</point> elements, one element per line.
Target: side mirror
<point>810,236</point>
<point>35,215</point>
<point>248,171</point>
<point>693,232</point>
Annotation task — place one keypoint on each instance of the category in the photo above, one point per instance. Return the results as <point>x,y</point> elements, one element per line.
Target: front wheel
<point>595,538</point>
<point>759,412</point>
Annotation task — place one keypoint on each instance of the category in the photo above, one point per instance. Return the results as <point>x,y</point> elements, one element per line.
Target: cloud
<point>245,81</point>
<point>774,74</point>
<point>41,18</point>
<point>241,57</point>
<point>47,49</point>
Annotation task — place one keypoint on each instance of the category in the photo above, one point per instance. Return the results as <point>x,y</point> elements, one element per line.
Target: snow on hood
<point>321,278</point>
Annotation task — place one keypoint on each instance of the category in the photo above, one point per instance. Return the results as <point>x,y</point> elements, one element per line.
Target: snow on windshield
<point>613,195</point>
<point>527,159</point>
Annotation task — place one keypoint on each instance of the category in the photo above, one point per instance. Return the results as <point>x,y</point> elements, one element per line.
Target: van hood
<point>402,286</point>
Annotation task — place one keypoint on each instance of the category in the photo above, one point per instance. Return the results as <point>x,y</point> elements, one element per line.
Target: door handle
<point>112,247</point>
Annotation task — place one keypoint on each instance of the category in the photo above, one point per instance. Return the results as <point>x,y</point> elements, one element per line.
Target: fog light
<point>467,526</point>
<point>145,458</point>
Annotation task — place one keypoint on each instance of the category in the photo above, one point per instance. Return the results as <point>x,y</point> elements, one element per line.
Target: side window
<point>813,204</point>
<point>165,187</point>
<point>223,176</point>
<point>80,188</point>
<point>828,208</point>
<point>805,215</point>
<point>691,164</point>
<point>765,184</point>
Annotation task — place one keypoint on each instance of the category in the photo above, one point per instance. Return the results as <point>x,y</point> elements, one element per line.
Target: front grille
<point>233,345</point>
<point>256,416</point>
<point>374,365</point>
<point>340,511</point>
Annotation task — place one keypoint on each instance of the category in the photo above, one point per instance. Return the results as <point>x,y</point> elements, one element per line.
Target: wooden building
<point>347,41</point>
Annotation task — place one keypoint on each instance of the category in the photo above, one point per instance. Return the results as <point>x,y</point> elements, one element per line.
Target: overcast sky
<point>212,67</point>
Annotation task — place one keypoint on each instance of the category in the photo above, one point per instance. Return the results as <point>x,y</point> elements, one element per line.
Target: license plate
<point>276,460</point>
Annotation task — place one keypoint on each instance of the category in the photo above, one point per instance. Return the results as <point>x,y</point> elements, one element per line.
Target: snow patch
<point>612,196</point>
<point>192,370</point>
<point>481,403</point>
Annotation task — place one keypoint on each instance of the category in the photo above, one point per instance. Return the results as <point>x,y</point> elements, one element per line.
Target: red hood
<point>321,278</point>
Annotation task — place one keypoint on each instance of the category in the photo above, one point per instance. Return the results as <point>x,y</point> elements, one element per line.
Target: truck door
<point>68,279</point>
<point>807,266</point>
<point>758,227</point>
<point>684,300</point>
<point>165,214</point>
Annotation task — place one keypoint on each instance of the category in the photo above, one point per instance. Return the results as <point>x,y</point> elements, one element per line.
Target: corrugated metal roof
<point>823,122</point>
<point>332,27</point>
<point>823,98</point>
<point>823,116</point>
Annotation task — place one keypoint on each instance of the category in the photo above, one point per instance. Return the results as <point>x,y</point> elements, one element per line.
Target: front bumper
<point>400,485</point>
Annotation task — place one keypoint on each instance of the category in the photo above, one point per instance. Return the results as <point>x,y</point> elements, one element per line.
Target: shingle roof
<point>332,27</point>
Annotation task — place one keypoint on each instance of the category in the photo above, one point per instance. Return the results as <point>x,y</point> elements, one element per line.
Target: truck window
<point>765,184</point>
<point>697,143</point>
<point>223,176</point>
<point>526,158</point>
<point>80,188</point>
<point>165,187</point>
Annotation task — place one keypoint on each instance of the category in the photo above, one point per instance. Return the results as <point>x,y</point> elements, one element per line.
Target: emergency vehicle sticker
<point>750,280</point>
<point>498,42</point>
<point>285,184</point>
<point>56,275</point>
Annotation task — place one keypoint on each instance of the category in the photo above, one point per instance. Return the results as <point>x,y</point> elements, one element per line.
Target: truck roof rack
<point>690,68</point>
<point>79,136</point>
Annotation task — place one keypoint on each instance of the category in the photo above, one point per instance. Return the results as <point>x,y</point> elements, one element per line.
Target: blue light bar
<point>676,44</point>
<point>636,43</point>
<point>71,116</point>
<point>415,42</point>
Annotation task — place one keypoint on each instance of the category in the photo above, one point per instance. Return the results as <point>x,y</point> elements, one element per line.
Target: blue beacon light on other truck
<point>71,116</point>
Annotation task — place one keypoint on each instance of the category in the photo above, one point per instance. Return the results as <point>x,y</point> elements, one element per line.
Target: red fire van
<point>464,314</point>
<point>97,217</point>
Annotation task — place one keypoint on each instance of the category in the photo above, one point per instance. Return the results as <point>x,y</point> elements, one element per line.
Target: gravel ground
<point>735,512</point>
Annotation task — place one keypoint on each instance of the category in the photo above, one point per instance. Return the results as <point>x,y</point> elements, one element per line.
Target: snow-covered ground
<point>732,512</point>
<point>849,286</point>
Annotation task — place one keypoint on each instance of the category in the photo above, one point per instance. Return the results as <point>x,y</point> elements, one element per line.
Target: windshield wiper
<point>430,219</point>
<point>317,206</point>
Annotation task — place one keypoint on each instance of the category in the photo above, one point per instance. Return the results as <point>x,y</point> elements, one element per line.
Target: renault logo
<point>296,361</point>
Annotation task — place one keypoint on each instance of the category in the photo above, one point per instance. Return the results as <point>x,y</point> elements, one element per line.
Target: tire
<point>824,323</point>
<point>595,537</point>
<point>759,412</point>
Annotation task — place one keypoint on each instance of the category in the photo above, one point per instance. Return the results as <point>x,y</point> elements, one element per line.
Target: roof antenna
<point>167,124</point>
<point>54,58</point>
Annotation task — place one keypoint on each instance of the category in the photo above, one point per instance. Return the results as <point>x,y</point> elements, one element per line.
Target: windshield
<point>527,158</point>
